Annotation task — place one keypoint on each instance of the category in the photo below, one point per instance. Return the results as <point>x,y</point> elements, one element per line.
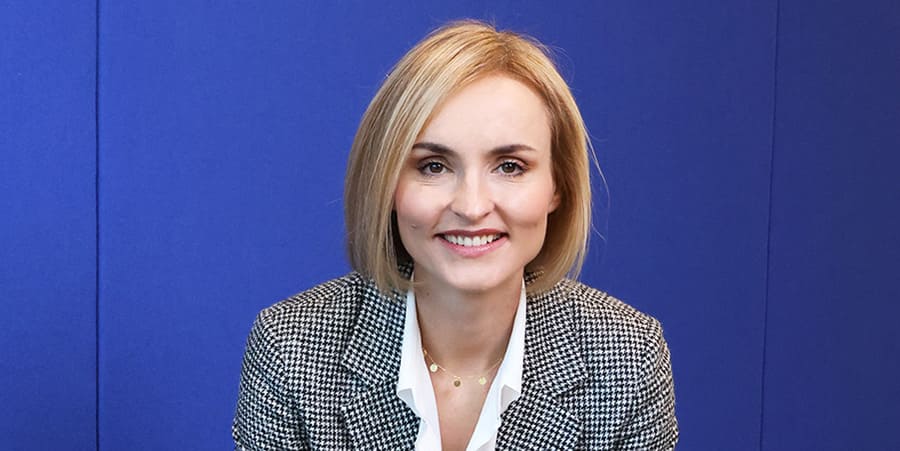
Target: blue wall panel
<point>47,226</point>
<point>833,340</point>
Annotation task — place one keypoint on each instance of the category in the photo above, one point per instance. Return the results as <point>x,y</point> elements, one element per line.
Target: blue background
<point>170,168</point>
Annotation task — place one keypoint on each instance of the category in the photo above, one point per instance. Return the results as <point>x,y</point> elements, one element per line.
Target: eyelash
<point>427,165</point>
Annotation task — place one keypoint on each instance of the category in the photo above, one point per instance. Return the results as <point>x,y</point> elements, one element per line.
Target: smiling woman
<point>467,205</point>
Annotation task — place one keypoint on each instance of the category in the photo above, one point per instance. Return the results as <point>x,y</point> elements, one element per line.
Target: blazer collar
<point>373,351</point>
<point>553,361</point>
<point>553,367</point>
<point>375,416</point>
<point>378,418</point>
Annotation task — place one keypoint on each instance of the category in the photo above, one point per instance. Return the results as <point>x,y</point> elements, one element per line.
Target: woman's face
<point>473,197</point>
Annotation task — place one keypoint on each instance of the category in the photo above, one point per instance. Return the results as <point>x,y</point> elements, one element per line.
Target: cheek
<point>531,207</point>
<point>527,215</point>
<point>410,210</point>
<point>419,206</point>
<point>401,200</point>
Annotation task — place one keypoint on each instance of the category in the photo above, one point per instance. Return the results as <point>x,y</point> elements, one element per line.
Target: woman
<point>467,205</point>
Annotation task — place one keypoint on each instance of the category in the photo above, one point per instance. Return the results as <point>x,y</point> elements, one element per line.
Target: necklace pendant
<point>456,382</point>
<point>433,367</point>
<point>482,380</point>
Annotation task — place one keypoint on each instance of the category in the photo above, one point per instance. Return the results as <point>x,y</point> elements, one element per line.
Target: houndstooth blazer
<point>320,372</point>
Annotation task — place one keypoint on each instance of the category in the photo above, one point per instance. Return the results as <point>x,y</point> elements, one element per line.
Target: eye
<point>433,167</point>
<point>510,167</point>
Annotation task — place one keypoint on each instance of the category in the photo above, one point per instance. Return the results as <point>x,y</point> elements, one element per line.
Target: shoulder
<point>315,326</point>
<point>316,320</point>
<point>334,293</point>
<point>597,309</point>
<point>610,332</point>
<point>310,306</point>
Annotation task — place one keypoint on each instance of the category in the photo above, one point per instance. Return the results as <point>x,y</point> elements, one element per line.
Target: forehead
<point>491,111</point>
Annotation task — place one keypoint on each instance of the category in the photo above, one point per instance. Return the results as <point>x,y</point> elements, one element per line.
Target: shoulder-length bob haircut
<point>448,59</point>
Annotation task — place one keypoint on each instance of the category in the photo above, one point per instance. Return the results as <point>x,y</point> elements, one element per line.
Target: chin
<point>476,281</point>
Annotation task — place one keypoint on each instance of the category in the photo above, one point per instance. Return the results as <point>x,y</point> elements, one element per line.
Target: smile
<point>471,241</point>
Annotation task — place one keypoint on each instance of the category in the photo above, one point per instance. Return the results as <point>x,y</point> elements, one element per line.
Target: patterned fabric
<point>321,368</point>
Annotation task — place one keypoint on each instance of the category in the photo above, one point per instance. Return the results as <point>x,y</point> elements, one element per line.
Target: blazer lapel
<point>552,367</point>
<point>375,417</point>
<point>378,419</point>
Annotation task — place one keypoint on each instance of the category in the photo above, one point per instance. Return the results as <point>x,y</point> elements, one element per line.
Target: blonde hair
<point>446,60</point>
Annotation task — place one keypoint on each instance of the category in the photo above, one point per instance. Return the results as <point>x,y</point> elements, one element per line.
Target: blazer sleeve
<point>266,418</point>
<point>653,425</point>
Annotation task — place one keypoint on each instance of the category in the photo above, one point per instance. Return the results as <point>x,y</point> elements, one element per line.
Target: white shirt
<point>415,389</point>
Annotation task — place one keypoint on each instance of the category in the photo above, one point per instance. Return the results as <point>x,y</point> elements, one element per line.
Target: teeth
<point>471,241</point>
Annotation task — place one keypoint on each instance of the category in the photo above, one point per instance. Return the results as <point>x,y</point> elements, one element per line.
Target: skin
<point>481,167</point>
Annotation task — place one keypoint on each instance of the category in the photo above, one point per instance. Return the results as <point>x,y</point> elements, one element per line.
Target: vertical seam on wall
<point>97,223</point>
<point>762,390</point>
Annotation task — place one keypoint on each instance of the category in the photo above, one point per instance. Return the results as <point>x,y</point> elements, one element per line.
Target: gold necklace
<point>457,380</point>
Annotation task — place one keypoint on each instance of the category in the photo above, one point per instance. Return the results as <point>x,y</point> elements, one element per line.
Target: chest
<point>459,409</point>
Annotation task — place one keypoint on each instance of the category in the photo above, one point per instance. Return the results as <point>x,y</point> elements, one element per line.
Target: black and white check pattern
<point>321,367</point>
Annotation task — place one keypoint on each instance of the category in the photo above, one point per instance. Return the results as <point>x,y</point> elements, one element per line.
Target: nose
<point>472,200</point>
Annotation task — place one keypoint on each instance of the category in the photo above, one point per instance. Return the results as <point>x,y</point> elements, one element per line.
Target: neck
<point>466,331</point>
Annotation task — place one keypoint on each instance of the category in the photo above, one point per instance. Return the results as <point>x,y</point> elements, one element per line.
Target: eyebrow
<point>501,150</point>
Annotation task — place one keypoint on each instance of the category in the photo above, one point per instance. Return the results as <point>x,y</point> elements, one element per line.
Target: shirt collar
<point>413,379</point>
<point>510,372</point>
<point>414,383</point>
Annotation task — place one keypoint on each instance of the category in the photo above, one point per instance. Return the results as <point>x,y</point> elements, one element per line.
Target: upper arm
<point>266,416</point>
<point>653,425</point>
